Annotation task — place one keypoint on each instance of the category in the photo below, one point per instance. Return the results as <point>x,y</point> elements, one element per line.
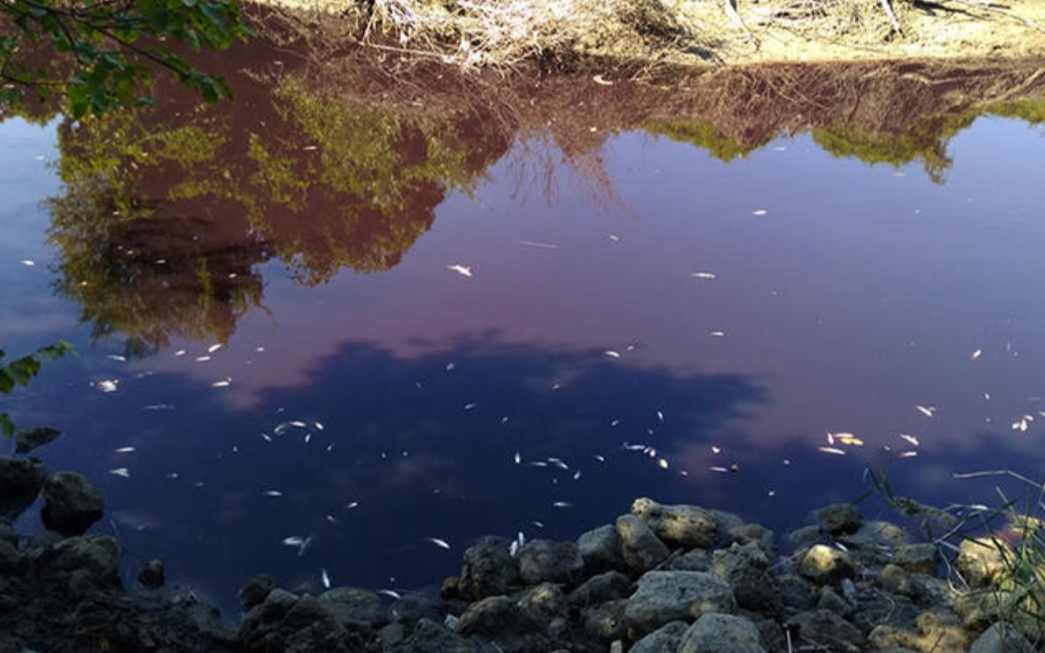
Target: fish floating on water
<point>301,543</point>
<point>463,270</point>
<point>928,411</point>
<point>442,544</point>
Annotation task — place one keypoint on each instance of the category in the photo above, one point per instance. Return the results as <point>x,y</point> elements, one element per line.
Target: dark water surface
<point>642,315</point>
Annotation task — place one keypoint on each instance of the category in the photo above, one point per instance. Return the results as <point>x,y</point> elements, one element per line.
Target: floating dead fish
<point>391,594</point>
<point>354,504</point>
<point>28,263</point>
<point>831,450</point>
<point>558,462</point>
<point>224,383</point>
<point>318,425</point>
<point>634,447</point>
<point>561,504</point>
<point>601,81</point>
<point>118,358</point>
<point>442,544</point>
<point>214,348</point>
<point>158,407</point>
<point>266,437</point>
<point>908,454</point>
<point>180,352</point>
<point>705,275</point>
<point>517,458</point>
<point>272,493</point>
<point>513,549</point>
<point>331,519</point>
<point>611,353</point>
<point>662,463</point>
<point>577,475</point>
<point>615,238</point>
<point>301,543</point>
<point>909,438</point>
<point>599,457</point>
<point>121,471</point>
<point>124,450</point>
<point>538,463</point>
<point>615,422</point>
<point>324,577</point>
<point>660,416</point>
<point>538,524</point>
<point>282,427</point>
<point>719,469</point>
<point>107,385</point>
<point>540,245</point>
<point>1021,425</point>
<point>202,359</point>
<point>716,450</point>
<point>928,411</point>
<point>470,406</point>
<point>259,349</point>
<point>463,270</point>
<point>759,212</point>
<point>850,439</point>
<point>976,354</point>
<point>718,334</point>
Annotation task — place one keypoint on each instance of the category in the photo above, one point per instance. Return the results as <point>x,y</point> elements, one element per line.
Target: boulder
<point>601,550</point>
<point>717,633</point>
<point>71,504</point>
<point>746,569</point>
<point>12,562</point>
<point>642,549</point>
<point>1001,638</point>
<point>824,565</point>
<point>152,574</point>
<point>916,558</point>
<point>933,631</point>
<point>545,603</point>
<point>982,561</point>
<point>8,534</point>
<point>545,561</point>
<point>688,527</point>
<point>606,623</point>
<point>840,519</point>
<point>488,569</point>
<point>695,560</point>
<point>829,631</point>
<point>256,590</point>
<point>752,534</point>
<point>664,596</point>
<point>498,619</point>
<point>94,558</point>
<point>609,586</point>
<point>20,483</point>
<point>29,439</point>
<point>834,602</point>
<point>356,609</point>
<point>665,639</point>
<point>430,637</point>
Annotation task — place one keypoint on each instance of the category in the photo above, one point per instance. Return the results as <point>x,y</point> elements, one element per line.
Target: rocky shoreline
<point>662,579</point>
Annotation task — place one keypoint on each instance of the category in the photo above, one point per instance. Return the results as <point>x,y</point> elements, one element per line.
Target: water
<point>640,318</point>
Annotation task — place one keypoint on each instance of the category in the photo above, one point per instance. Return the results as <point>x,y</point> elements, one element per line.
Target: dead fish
<point>283,426</point>
<point>718,334</point>
<point>324,577</point>
<point>318,425</point>
<point>601,81</point>
<point>124,450</point>
<point>850,439</point>
<point>831,450</point>
<point>558,462</point>
<point>301,543</point>
<point>599,457</point>
<point>331,519</point>
<point>705,275</point>
<point>534,243</point>
<point>759,212</point>
<point>28,263</point>
<point>719,469</point>
<point>214,348</point>
<point>561,504</point>
<point>158,407</point>
<point>463,270</point>
<point>908,454</point>
<point>1021,425</point>
<point>470,406</point>
<point>611,353</point>
<point>442,544</point>
<point>928,411</point>
<point>662,463</point>
<point>538,463</point>
<point>909,438</point>
<point>121,471</point>
<point>513,549</point>
<point>577,475</point>
<point>976,354</point>
<point>716,450</point>
<point>272,493</point>
<point>266,437</point>
<point>202,359</point>
<point>180,352</point>
<point>118,358</point>
<point>224,383</point>
<point>660,416</point>
<point>107,385</point>
<point>354,504</point>
<point>391,594</point>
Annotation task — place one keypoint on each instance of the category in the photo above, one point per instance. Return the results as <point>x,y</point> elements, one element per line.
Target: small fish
<point>615,422</point>
<point>28,263</point>
<point>158,407</point>
<point>928,411</point>
<point>705,275</point>
<point>908,454</point>
<point>577,475</point>
<point>470,406</point>
<point>615,238</point>
<point>124,450</point>
<point>558,462</point>
<point>442,544</point>
<point>121,471</point>
<point>332,519</point>
<point>759,212</point>
<point>266,437</point>
<point>259,349</point>
<point>391,594</point>
<point>180,352</point>
<point>107,385</point>
<point>850,439</point>
<point>634,447</point>
<point>716,450</point>
<point>600,458</point>
<point>513,549</point>
<point>282,427</point>
<point>561,504</point>
<point>354,504</point>
<point>202,359</point>
<point>517,458</point>
<point>718,334</point>
<point>611,353</point>
<point>831,450</point>
<point>324,577</point>
<point>214,348</point>
<point>224,383</point>
<point>719,469</point>
<point>538,524</point>
<point>601,81</point>
<point>302,543</point>
<point>318,425</point>
<point>660,416</point>
<point>463,270</point>
<point>662,463</point>
<point>272,493</point>
<point>540,245</point>
<point>118,358</point>
<point>976,354</point>
<point>910,438</point>
<point>538,463</point>
<point>1021,425</point>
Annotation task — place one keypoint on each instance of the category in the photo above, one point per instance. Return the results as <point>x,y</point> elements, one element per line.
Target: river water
<point>388,328</point>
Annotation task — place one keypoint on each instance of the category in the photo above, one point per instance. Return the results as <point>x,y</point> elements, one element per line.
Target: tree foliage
<point>22,370</point>
<point>97,55</point>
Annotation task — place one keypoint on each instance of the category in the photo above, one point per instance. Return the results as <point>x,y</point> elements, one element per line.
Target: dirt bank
<point>566,33</point>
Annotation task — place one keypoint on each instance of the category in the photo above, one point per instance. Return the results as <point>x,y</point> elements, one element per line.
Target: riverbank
<point>568,34</point>
<point>660,579</point>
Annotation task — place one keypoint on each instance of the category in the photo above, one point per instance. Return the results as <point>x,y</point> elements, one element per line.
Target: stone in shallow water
<point>20,483</point>
<point>256,590</point>
<point>95,557</point>
<point>840,518</point>
<point>981,561</point>
<point>1001,638</point>
<point>641,548</point>
<point>746,569</point>
<point>544,561</point>
<point>609,586</point>
<point>601,550</point>
<point>71,504</point>
<point>686,526</point>
<point>665,638</point>
<point>664,596</point>
<point>152,574</point>
<point>829,630</point>
<point>717,633</point>
<point>916,558</point>
<point>488,569</point>
<point>824,565</point>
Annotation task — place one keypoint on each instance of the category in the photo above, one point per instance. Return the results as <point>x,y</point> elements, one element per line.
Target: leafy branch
<point>21,371</point>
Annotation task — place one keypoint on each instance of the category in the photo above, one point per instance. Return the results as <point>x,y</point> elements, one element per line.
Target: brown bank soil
<point>568,33</point>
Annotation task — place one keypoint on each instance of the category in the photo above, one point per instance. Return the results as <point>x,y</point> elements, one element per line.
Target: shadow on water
<point>409,449</point>
<point>334,158</point>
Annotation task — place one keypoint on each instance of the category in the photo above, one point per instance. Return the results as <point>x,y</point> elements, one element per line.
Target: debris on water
<point>705,275</point>
<point>928,411</point>
<point>331,519</point>
<point>124,450</point>
<point>615,422</point>
<point>734,468</point>
<point>976,354</point>
<point>441,543</point>
<point>121,471</point>
<point>716,450</point>
<point>325,578</point>
<point>117,357</point>
<point>107,385</point>
<point>1022,425</point>
<point>463,270</point>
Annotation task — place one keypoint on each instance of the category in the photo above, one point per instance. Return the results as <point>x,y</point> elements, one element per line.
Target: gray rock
<point>695,560</point>
<point>12,562</point>
<point>840,519</point>
<point>71,504</point>
<point>717,633</point>
<point>545,561</point>
<point>797,592</point>
<point>152,574</point>
<point>601,550</point>
<point>8,534</point>
<point>356,608</point>
<point>804,537</point>
<point>895,580</point>
<point>642,549</point>
<point>256,590</point>
<point>688,527</point>
<point>606,622</point>
<point>95,557</point>
<point>1001,638</point>
<point>430,637</point>
<point>544,603</point>
<point>937,631</point>
<point>609,586</point>
<point>916,558</point>
<point>498,619</point>
<point>20,483</point>
<point>488,569</point>
<point>752,534</point>
<point>829,631</point>
<point>834,602</point>
<point>664,596</point>
<point>981,561</point>
<point>29,439</point>
<point>746,569</point>
<point>665,639</point>
<point>824,565</point>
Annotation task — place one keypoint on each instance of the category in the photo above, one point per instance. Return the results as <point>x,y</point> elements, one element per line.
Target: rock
<point>8,535</point>
<point>665,639</point>
<point>609,586</point>
<point>544,603</point>
<point>824,565</point>
<point>601,550</point>
<point>545,561</point>
<point>832,601</point>
<point>498,619</point>
<point>876,607</point>
<point>430,637</point>
<point>804,537</point>
<point>71,504</point>
<point>840,519</point>
<point>829,630</point>
<point>797,592</point>
<point>933,631</point>
<point>12,562</point>
<point>717,633</point>
<point>96,558</point>
<point>256,590</point>
<point>1001,638</point>
<point>20,483</point>
<point>916,558</point>
<point>642,549</point>
<point>606,622</point>
<point>979,609</point>
<point>688,527</point>
<point>746,569</point>
<point>695,560</point>
<point>152,574</point>
<point>488,569</point>
<point>29,439</point>
<point>752,534</point>
<point>981,561</point>
<point>356,609</point>
<point>895,580</point>
<point>664,596</point>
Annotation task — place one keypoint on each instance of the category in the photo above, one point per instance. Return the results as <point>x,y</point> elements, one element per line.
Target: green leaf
<point>7,383</point>
<point>6,425</point>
